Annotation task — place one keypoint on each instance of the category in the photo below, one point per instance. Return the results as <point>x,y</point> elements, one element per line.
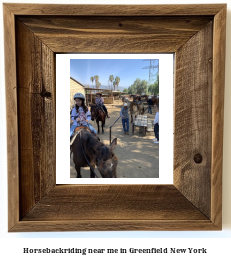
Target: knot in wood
<point>45,94</point>
<point>198,158</point>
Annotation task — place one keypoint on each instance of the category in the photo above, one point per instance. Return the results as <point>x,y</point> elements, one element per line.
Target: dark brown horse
<point>155,100</point>
<point>96,153</point>
<point>98,115</point>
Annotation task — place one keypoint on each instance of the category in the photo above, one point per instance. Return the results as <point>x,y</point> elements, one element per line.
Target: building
<point>75,87</point>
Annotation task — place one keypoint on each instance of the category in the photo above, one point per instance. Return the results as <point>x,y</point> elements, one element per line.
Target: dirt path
<point>138,155</point>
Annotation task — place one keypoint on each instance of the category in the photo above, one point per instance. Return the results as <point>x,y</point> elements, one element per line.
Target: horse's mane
<point>94,146</point>
<point>95,107</point>
<point>91,140</point>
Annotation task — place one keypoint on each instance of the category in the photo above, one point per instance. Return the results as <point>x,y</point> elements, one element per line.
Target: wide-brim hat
<point>125,104</point>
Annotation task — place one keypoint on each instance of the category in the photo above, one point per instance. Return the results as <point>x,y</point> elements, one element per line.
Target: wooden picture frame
<point>33,34</point>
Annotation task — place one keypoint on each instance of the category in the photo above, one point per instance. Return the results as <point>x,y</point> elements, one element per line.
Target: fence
<point>112,126</point>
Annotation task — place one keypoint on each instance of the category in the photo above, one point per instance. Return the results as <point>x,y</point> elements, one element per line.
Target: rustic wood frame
<point>33,34</point>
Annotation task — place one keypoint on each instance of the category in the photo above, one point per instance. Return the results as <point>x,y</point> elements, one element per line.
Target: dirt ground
<point>138,155</point>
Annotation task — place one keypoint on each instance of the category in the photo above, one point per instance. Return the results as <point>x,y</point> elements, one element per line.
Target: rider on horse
<point>80,114</point>
<point>99,101</point>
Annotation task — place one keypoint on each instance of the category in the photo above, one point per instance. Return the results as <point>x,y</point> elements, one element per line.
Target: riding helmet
<point>79,96</point>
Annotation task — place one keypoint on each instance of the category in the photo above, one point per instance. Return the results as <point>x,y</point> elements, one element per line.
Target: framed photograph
<point>34,35</point>
<point>140,160</point>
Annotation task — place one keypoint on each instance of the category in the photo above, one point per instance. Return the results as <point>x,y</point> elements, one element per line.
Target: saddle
<point>81,127</point>
<point>77,130</point>
<point>101,107</point>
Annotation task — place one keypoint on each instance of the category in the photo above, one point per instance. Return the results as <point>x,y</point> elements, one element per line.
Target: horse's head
<point>107,161</point>
<point>93,112</point>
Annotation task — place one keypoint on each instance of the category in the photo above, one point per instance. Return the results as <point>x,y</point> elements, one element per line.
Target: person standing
<point>125,118</point>
<point>150,104</point>
<point>156,125</point>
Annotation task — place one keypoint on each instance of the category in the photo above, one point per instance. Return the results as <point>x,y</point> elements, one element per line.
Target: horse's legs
<point>78,171</point>
<point>98,126</point>
<point>131,118</point>
<point>103,122</point>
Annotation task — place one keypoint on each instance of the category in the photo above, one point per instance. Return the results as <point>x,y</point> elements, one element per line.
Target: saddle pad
<point>81,127</point>
<point>77,131</point>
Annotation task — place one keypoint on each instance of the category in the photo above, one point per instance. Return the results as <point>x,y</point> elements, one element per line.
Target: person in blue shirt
<point>125,118</point>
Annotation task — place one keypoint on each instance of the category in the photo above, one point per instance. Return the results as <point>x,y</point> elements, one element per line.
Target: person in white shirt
<point>80,114</point>
<point>156,126</point>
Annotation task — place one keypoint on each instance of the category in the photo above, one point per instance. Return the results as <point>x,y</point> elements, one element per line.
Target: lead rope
<point>86,156</point>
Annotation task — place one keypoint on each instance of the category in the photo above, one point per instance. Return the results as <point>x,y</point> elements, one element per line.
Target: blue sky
<point>127,69</point>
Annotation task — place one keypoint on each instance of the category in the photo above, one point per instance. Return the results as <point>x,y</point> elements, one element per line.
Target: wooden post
<point>91,96</point>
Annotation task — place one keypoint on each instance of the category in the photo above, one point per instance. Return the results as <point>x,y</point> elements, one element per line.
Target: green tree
<point>117,80</point>
<point>154,88</point>
<point>138,87</point>
<point>125,90</point>
<point>96,77</point>
<point>114,84</point>
<point>111,79</point>
<point>98,85</point>
<point>131,90</point>
<point>92,80</point>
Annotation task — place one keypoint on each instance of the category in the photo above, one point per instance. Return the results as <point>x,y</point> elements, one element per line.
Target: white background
<point>63,122</point>
<point>218,243</point>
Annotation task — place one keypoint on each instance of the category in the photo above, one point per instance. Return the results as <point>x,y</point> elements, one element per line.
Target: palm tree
<point>92,79</point>
<point>114,83</point>
<point>96,77</point>
<point>111,79</point>
<point>117,79</point>
<point>98,85</point>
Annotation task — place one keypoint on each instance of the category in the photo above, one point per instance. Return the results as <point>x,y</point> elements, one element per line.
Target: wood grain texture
<point>193,126</point>
<point>194,204</point>
<point>218,114</point>
<point>101,34</point>
<point>114,207</point>
<point>35,66</point>
<point>114,225</point>
<point>113,202</point>
<point>12,121</point>
<point>114,10</point>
